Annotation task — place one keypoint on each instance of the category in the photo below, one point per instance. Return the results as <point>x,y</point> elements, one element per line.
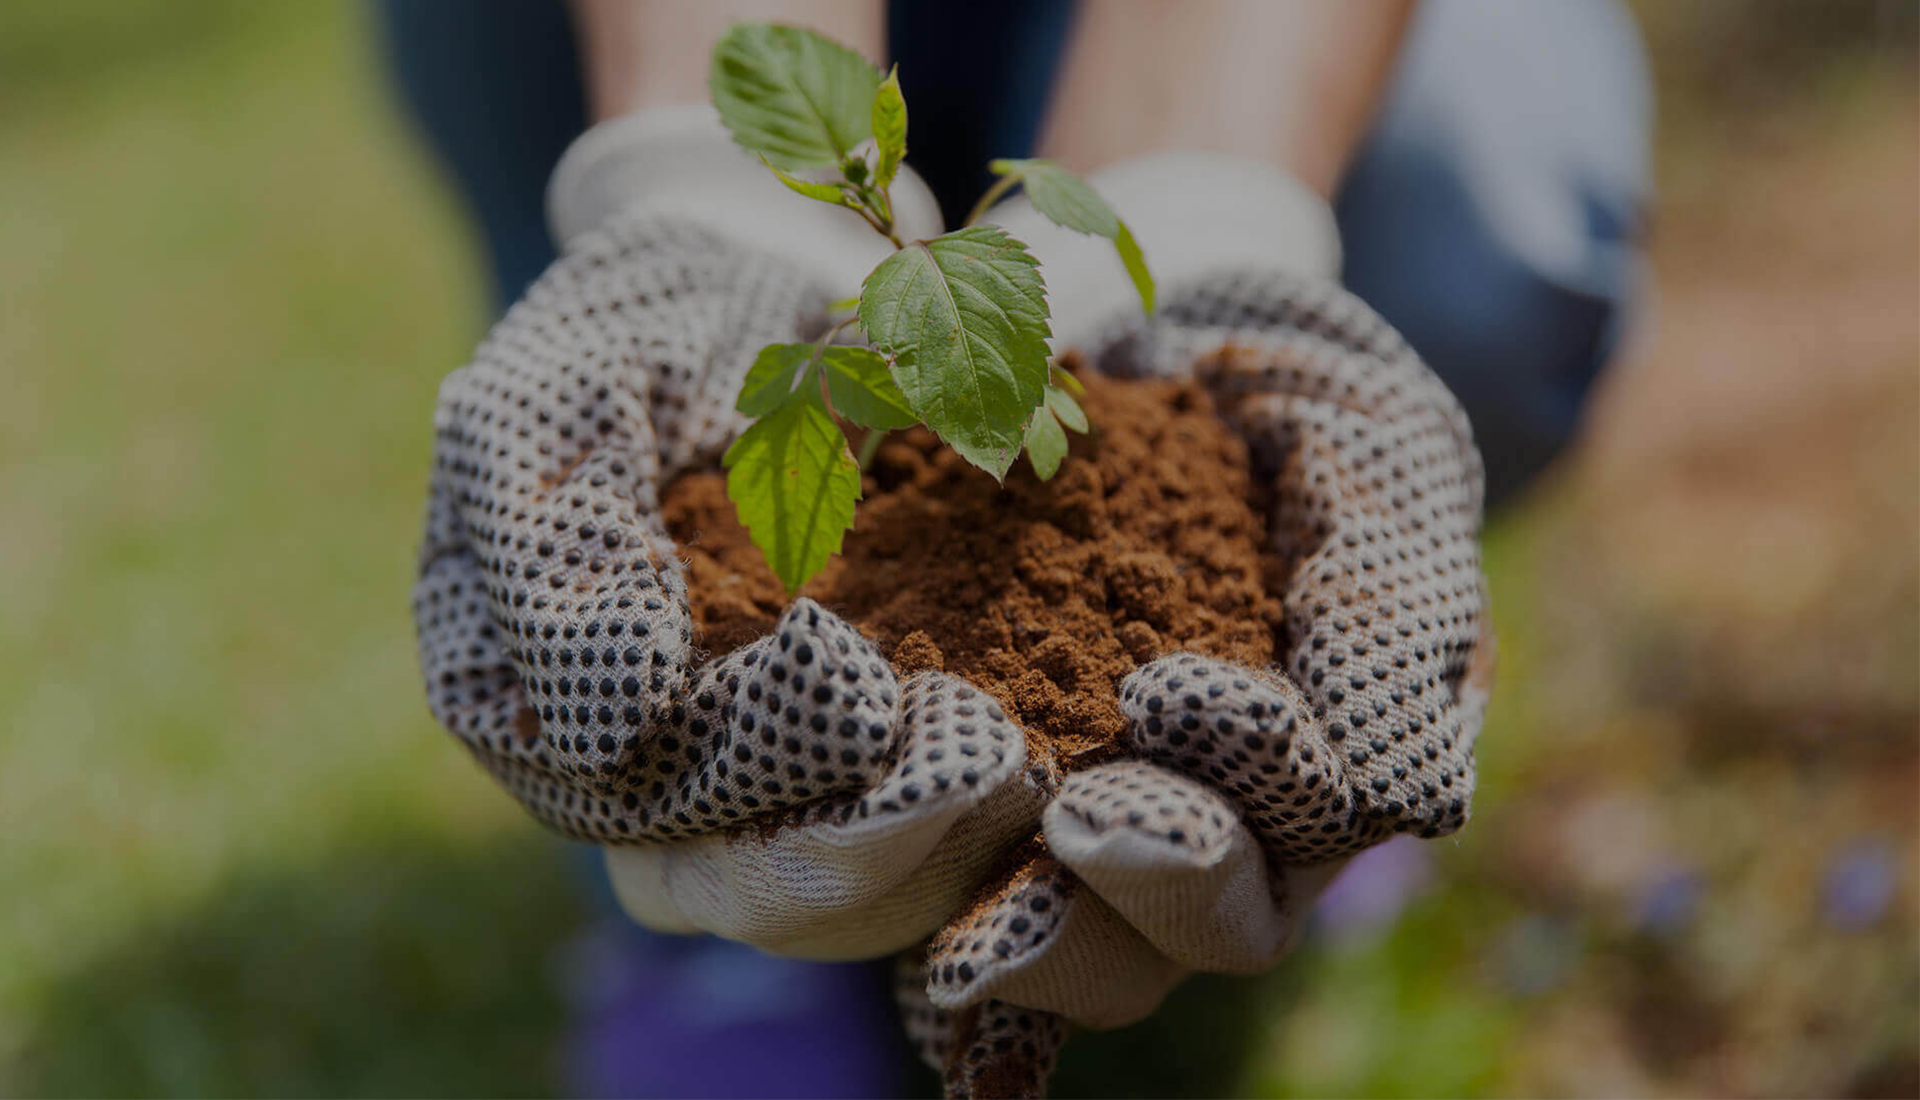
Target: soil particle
<point>1150,539</point>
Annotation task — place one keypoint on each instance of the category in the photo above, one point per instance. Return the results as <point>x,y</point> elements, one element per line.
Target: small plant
<point>956,326</point>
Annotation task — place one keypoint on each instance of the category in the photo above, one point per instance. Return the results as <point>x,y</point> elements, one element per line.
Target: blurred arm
<point>1293,84</point>
<point>656,54</point>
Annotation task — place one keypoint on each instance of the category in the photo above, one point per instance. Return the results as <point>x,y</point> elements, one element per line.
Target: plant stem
<point>881,201</point>
<point>826,338</point>
<point>869,446</point>
<point>1000,187</point>
<point>879,224</point>
<point>814,373</point>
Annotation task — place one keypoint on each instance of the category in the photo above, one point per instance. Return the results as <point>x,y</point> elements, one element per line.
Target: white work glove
<point>794,794</point>
<point>1249,788</point>
<point>1193,214</point>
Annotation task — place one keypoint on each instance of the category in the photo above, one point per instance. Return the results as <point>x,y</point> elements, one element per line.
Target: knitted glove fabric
<point>1250,787</point>
<point>794,793</point>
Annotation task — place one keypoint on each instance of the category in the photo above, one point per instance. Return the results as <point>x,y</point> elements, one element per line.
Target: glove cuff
<point>680,161</point>
<point>1193,214</point>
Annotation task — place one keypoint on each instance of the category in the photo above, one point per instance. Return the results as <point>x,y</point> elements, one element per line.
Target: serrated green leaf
<point>1063,406</point>
<point>889,129</point>
<point>1046,444</point>
<point>1135,262</point>
<point>770,378</point>
<point>794,483</point>
<point>1068,201</point>
<point>863,390</point>
<point>823,192</point>
<point>1062,197</point>
<point>964,317</point>
<point>794,97</point>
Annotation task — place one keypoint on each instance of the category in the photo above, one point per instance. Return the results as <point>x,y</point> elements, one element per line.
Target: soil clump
<point>1150,539</point>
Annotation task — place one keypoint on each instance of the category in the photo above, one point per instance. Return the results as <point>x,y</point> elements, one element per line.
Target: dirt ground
<point>1725,649</point>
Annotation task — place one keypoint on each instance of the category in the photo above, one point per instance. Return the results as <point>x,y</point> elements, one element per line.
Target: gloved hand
<point>794,794</point>
<point>1250,787</point>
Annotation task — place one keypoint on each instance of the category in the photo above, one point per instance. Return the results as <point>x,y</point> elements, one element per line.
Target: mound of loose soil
<point>1150,539</point>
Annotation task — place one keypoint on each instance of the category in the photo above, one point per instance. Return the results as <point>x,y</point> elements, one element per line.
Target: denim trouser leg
<point>494,86</point>
<point>1494,215</point>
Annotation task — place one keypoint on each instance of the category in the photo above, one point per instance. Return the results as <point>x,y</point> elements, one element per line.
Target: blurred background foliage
<point>240,858</point>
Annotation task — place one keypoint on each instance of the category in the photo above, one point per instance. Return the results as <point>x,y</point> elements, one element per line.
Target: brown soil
<point>1046,594</point>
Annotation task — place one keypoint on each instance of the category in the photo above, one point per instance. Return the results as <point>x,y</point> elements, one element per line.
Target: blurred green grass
<point>242,859</point>
<point>230,289</point>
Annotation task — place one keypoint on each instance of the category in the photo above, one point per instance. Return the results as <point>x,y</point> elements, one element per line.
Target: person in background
<point>1477,171</point>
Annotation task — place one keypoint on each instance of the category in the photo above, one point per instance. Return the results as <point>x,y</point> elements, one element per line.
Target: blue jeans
<point>1496,212</point>
<point>1493,216</point>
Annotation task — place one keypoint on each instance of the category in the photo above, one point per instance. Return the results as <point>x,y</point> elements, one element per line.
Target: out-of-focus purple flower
<point>1669,902</point>
<point>1859,884</point>
<point>1369,894</point>
<point>675,1016</point>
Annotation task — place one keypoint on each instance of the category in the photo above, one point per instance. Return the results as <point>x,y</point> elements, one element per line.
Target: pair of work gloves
<point>800,795</point>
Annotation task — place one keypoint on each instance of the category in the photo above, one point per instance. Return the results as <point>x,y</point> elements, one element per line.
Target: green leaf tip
<point>794,97</point>
<point>1068,201</point>
<point>1062,197</point>
<point>964,317</point>
<point>770,379</point>
<point>1062,405</point>
<point>1135,262</point>
<point>1066,381</point>
<point>889,129</point>
<point>822,192</point>
<point>1046,444</point>
<point>793,484</point>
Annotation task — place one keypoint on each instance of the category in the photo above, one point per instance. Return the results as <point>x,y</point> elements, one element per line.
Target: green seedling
<point>955,326</point>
